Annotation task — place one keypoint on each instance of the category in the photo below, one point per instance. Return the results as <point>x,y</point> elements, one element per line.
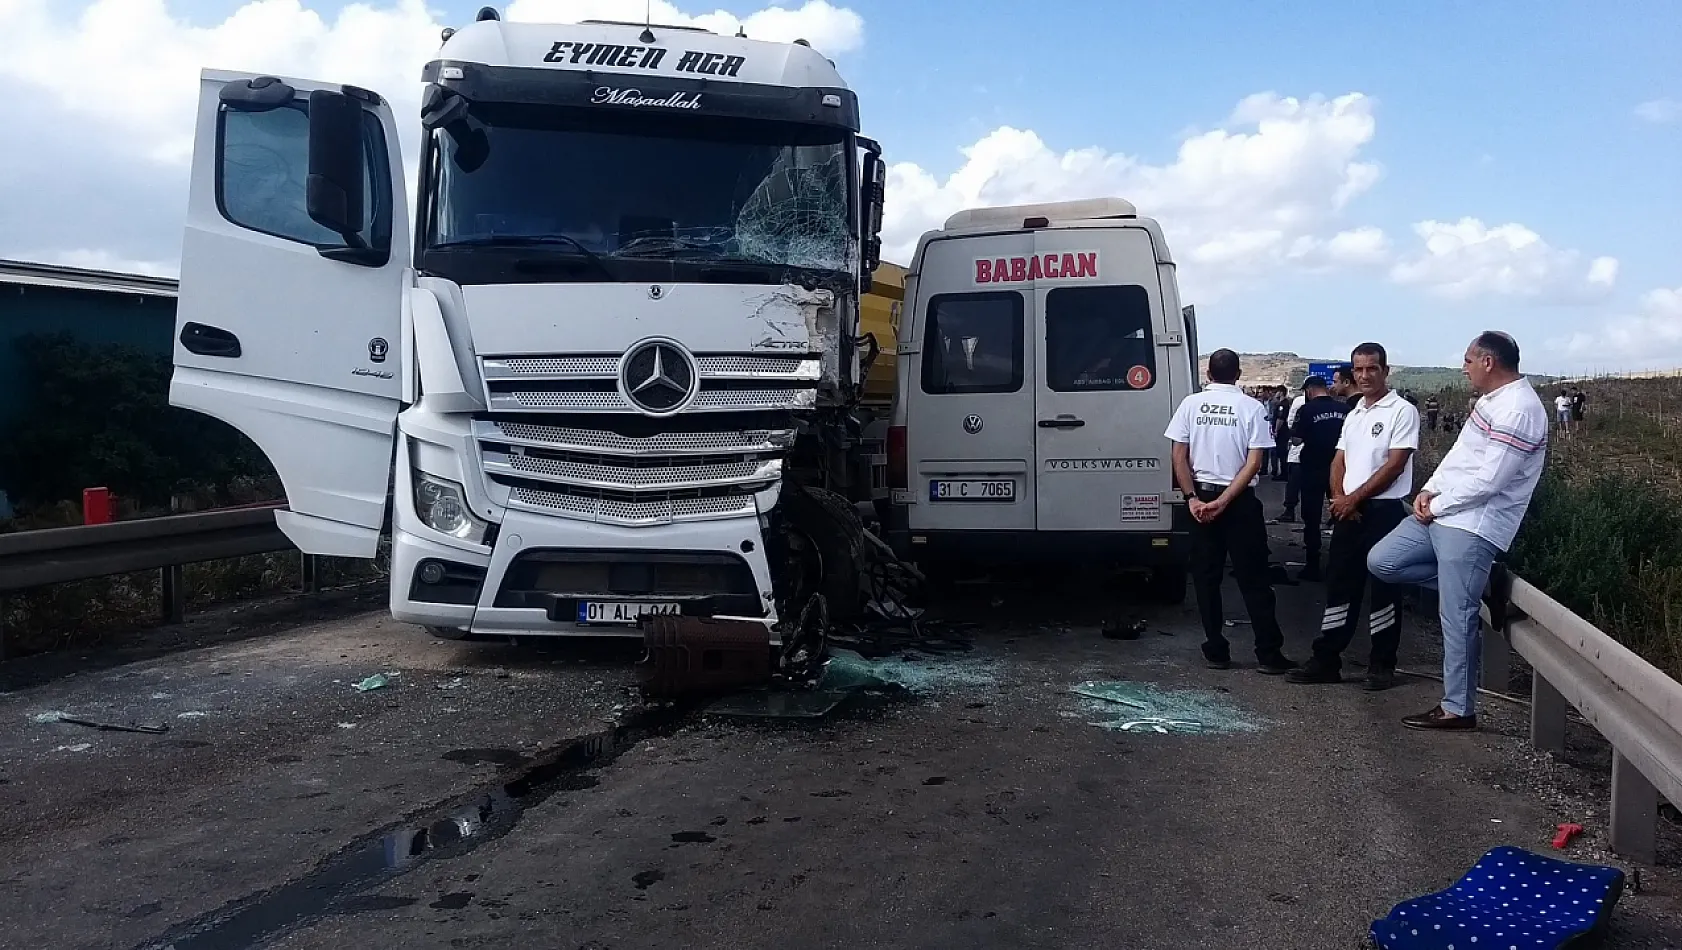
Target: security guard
<point>1372,474</point>
<point>1221,441</point>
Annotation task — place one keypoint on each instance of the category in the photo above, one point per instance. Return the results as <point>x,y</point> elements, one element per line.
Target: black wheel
<point>1168,584</point>
<point>833,534</point>
<point>448,633</point>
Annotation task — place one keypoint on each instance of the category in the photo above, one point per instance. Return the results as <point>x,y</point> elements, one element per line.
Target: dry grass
<point>1604,532</point>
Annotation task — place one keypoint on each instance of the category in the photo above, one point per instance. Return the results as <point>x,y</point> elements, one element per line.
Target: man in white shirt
<point>1562,409</point>
<point>1468,514</point>
<point>1372,474</point>
<point>1221,440</point>
<point>1293,458</point>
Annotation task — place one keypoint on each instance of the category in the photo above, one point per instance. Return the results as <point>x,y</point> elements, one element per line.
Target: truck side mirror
<point>334,188</point>
<point>875,191</point>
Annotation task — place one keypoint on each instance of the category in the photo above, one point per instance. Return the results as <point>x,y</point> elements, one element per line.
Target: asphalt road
<point>489,795</point>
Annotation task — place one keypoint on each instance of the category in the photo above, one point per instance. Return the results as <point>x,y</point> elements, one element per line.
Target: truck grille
<point>707,400</point>
<point>562,438</point>
<point>659,509</point>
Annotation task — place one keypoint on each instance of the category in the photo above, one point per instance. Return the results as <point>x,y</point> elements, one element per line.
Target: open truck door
<point>292,275</point>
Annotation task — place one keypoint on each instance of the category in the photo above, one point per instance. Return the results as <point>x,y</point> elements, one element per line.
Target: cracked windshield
<point>672,187</point>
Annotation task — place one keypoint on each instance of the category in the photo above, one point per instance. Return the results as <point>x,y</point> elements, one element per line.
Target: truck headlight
<point>442,506</point>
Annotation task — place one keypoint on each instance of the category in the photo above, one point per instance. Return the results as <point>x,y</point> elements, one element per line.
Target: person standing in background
<point>1220,443</point>
<point>1579,404</point>
<point>1562,410</point>
<point>1468,514</point>
<point>1318,426</point>
<point>1293,455</point>
<point>1432,410</point>
<point>1372,475</point>
<point>1344,388</point>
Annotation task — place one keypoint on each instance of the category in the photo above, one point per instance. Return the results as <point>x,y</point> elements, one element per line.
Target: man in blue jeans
<point>1467,515</point>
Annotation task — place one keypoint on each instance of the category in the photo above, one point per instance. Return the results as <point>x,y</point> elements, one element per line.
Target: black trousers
<point>1293,484</point>
<point>1240,533</point>
<point>1313,498</point>
<point>1345,580</point>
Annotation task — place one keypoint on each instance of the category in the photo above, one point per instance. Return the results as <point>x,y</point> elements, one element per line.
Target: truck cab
<point>621,332</point>
<point>1043,351</point>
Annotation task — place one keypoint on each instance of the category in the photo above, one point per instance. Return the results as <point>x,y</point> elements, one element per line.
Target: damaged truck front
<point>612,377</point>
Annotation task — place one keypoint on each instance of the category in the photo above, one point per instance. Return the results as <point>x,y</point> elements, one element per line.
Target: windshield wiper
<point>655,245</point>
<point>532,240</point>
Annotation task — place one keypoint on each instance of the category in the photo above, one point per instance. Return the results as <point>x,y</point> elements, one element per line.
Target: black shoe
<point>1217,661</point>
<point>1436,719</point>
<point>1288,517</point>
<point>1316,674</point>
<point>1380,678</point>
<point>1276,664</point>
<point>1498,595</point>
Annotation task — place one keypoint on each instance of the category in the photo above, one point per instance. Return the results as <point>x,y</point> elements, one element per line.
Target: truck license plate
<point>623,613</point>
<point>972,490</point>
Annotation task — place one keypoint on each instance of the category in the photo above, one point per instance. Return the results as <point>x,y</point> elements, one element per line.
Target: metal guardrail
<point>1634,705</point>
<point>30,559</point>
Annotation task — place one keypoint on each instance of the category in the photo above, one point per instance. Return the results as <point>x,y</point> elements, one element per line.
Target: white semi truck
<point>612,374</point>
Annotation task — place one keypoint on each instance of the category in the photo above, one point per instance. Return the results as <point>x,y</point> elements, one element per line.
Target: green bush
<point>100,417</point>
<point>1608,546</point>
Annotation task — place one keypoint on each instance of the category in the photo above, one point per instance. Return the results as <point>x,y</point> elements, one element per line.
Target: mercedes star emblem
<point>658,377</point>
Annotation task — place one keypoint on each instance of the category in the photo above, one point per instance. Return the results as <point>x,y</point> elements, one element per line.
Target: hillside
<point>1289,369</point>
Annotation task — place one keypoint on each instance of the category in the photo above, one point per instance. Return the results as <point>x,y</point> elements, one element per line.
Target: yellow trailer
<point>879,315</point>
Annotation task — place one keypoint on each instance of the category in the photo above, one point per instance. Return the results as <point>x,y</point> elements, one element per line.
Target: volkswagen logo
<point>972,424</point>
<point>658,377</point>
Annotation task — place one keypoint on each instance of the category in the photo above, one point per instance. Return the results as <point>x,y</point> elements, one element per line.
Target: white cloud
<point>132,66</point>
<point>105,95</point>
<point>1660,111</point>
<point>1467,259</point>
<point>1648,338</point>
<point>152,53</point>
<point>1236,201</point>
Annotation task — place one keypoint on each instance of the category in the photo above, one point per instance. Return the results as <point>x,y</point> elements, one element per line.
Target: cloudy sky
<point>1326,174</point>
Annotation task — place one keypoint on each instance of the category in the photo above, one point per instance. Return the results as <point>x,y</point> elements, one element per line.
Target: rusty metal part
<point>689,656</point>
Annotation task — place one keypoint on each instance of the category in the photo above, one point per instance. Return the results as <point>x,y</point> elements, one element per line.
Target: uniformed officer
<point>1221,440</point>
<point>1372,474</point>
<point>1318,426</point>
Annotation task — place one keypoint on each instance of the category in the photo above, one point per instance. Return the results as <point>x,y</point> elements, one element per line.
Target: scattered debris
<point>192,714</point>
<point>1124,629</point>
<point>346,725</point>
<point>1159,724</point>
<point>647,879</point>
<point>1567,831</point>
<point>692,837</point>
<point>78,747</point>
<point>113,727</point>
<point>46,717</point>
<point>1108,692</point>
<point>456,683</point>
<point>1153,709</point>
<point>935,780</point>
<point>922,675</point>
<point>377,681</point>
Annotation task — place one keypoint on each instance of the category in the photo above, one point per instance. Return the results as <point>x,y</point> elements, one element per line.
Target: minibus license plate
<point>1002,489</point>
<point>619,612</point>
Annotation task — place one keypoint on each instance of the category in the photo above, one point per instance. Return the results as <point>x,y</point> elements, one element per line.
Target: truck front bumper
<point>540,568</point>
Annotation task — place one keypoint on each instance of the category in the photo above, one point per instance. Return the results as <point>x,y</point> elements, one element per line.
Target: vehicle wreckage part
<point>688,656</point>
